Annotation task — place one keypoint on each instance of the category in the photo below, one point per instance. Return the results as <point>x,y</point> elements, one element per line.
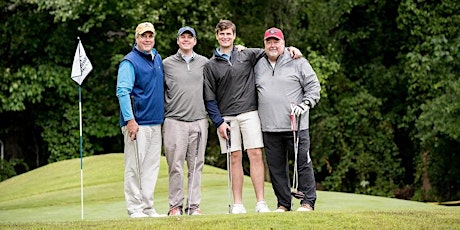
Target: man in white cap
<point>140,94</point>
<point>185,129</point>
<point>286,88</point>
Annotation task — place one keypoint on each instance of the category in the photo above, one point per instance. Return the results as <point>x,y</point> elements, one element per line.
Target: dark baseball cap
<point>185,29</point>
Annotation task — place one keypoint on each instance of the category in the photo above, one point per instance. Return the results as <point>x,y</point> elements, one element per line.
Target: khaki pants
<point>142,165</point>
<point>180,143</point>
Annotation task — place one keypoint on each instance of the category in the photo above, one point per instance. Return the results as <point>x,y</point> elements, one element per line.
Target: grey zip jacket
<point>290,81</point>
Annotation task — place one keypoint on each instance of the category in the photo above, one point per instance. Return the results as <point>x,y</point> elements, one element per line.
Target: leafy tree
<point>389,110</point>
<point>352,136</point>
<point>38,86</point>
<point>7,168</point>
<point>431,65</point>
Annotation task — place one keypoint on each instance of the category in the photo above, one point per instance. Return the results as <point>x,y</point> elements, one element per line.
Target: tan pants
<point>142,165</point>
<point>181,144</point>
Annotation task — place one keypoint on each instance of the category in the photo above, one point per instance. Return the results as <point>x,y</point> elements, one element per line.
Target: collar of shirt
<point>187,58</point>
<point>144,52</point>
<point>224,55</point>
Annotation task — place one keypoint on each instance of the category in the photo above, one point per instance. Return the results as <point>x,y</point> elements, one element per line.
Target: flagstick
<point>81,143</point>
<point>81,66</point>
<point>81,152</point>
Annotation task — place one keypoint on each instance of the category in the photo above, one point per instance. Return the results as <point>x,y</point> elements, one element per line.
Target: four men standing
<point>227,84</point>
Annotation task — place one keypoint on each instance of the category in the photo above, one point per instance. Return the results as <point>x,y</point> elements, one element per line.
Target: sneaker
<point>281,209</point>
<point>262,206</point>
<point>238,209</point>
<point>196,212</point>
<point>138,215</point>
<point>175,211</point>
<point>304,208</point>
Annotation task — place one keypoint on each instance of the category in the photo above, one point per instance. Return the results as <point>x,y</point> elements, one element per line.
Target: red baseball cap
<point>274,33</point>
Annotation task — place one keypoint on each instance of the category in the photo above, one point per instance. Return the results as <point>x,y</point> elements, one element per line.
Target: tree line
<point>387,124</point>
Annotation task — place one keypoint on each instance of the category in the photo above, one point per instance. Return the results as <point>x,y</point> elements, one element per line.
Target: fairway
<point>50,196</point>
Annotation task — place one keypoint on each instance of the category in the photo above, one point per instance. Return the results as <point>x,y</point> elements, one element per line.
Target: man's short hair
<point>225,24</point>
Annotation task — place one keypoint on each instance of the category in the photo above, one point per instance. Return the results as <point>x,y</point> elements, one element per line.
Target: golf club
<point>138,164</point>
<point>190,189</point>
<point>229,164</point>
<point>295,179</point>
<point>136,149</point>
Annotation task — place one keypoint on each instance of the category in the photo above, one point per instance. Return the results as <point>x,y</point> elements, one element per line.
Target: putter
<point>138,164</point>
<point>229,164</point>
<point>136,148</point>
<point>190,189</point>
<point>295,179</point>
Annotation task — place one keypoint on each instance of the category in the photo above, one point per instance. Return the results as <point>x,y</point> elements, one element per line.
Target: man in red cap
<point>287,88</point>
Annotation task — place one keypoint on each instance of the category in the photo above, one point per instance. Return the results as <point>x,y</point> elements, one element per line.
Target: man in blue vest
<point>141,97</point>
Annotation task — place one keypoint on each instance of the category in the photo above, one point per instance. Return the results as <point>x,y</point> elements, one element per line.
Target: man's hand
<point>223,130</point>
<point>133,128</point>
<point>240,47</point>
<point>299,109</point>
<point>295,53</point>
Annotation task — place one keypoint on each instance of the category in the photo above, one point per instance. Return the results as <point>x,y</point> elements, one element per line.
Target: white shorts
<point>245,126</point>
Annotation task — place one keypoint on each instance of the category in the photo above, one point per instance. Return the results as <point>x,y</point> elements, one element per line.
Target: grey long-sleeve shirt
<point>184,87</point>
<point>290,81</point>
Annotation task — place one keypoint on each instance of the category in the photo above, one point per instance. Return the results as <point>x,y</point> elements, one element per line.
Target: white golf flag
<point>81,64</point>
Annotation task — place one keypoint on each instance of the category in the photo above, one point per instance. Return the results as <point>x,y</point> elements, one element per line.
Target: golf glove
<point>300,109</point>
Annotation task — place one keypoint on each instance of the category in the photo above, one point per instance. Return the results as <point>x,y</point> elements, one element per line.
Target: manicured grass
<point>49,198</point>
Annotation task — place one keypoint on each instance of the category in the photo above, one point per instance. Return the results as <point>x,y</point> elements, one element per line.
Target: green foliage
<point>389,111</point>
<point>7,168</point>
<point>432,67</point>
<point>357,153</point>
<point>323,68</point>
<point>44,84</point>
<point>441,116</point>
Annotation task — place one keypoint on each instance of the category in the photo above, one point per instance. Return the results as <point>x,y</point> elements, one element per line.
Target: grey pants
<point>181,144</point>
